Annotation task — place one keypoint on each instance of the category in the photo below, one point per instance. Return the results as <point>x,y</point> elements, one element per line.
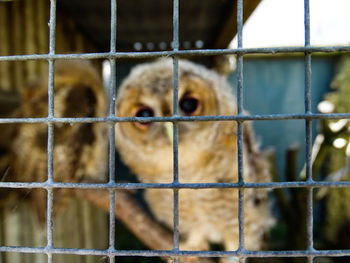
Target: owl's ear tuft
<point>81,101</point>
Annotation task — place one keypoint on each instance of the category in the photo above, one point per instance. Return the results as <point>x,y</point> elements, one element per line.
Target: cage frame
<point>308,116</point>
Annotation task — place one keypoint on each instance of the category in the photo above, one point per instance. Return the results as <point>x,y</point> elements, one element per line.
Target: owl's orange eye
<point>189,104</point>
<point>143,112</point>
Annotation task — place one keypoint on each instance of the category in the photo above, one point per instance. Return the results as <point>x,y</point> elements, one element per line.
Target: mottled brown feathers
<point>207,154</point>
<point>80,149</point>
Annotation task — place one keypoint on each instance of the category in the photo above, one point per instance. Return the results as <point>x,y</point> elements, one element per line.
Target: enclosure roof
<point>147,25</point>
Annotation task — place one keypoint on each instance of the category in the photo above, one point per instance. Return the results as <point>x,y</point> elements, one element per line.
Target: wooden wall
<point>24,30</point>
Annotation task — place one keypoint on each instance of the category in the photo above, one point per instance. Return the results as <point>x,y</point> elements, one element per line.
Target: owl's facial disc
<point>197,97</point>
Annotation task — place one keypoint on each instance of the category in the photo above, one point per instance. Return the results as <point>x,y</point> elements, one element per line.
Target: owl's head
<point>78,92</point>
<point>148,92</point>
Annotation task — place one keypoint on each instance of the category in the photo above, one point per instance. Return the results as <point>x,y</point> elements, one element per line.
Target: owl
<point>207,153</point>
<point>79,149</point>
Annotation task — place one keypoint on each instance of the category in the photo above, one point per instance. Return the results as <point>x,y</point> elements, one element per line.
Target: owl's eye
<point>189,104</point>
<point>143,112</point>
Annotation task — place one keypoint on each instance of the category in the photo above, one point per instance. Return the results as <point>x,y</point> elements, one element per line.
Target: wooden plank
<point>62,37</point>
<point>80,225</point>
<point>42,17</point>
<point>90,228</point>
<point>4,47</point>
<point>17,25</point>
<point>30,42</point>
<point>229,27</point>
<point>20,228</point>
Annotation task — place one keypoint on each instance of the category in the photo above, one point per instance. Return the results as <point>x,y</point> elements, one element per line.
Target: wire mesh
<point>112,185</point>
<point>50,138</point>
<point>175,127</point>
<point>112,172</point>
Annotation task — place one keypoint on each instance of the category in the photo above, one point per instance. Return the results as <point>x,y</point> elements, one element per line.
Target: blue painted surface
<point>276,85</point>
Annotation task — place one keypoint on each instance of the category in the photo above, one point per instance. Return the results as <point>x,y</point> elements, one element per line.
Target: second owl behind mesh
<point>79,149</point>
<point>207,154</point>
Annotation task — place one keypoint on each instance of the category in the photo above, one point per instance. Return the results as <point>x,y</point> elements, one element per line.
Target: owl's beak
<point>169,131</point>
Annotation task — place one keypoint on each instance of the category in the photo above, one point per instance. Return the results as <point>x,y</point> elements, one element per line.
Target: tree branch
<point>127,210</point>
<point>151,233</point>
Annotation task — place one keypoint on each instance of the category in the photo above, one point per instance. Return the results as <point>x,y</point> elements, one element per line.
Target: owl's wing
<point>258,162</point>
<point>227,139</point>
<point>79,149</point>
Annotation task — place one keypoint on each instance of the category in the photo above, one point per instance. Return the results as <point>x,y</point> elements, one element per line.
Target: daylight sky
<point>281,23</point>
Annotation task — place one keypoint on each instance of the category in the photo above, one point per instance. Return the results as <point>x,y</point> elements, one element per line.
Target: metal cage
<point>310,253</point>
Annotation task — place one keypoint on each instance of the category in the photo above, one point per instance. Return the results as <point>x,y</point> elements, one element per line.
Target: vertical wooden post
<point>30,41</point>
<point>4,47</point>
<point>17,25</point>
<point>42,17</point>
<point>24,30</point>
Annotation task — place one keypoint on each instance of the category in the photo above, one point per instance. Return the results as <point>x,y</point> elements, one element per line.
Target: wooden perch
<point>292,207</point>
<point>280,194</point>
<point>127,210</point>
<point>151,233</point>
<point>292,162</point>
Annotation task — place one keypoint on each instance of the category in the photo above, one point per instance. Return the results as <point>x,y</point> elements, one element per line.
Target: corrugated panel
<point>149,23</point>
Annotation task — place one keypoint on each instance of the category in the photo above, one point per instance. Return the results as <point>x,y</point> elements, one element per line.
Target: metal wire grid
<point>111,252</point>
